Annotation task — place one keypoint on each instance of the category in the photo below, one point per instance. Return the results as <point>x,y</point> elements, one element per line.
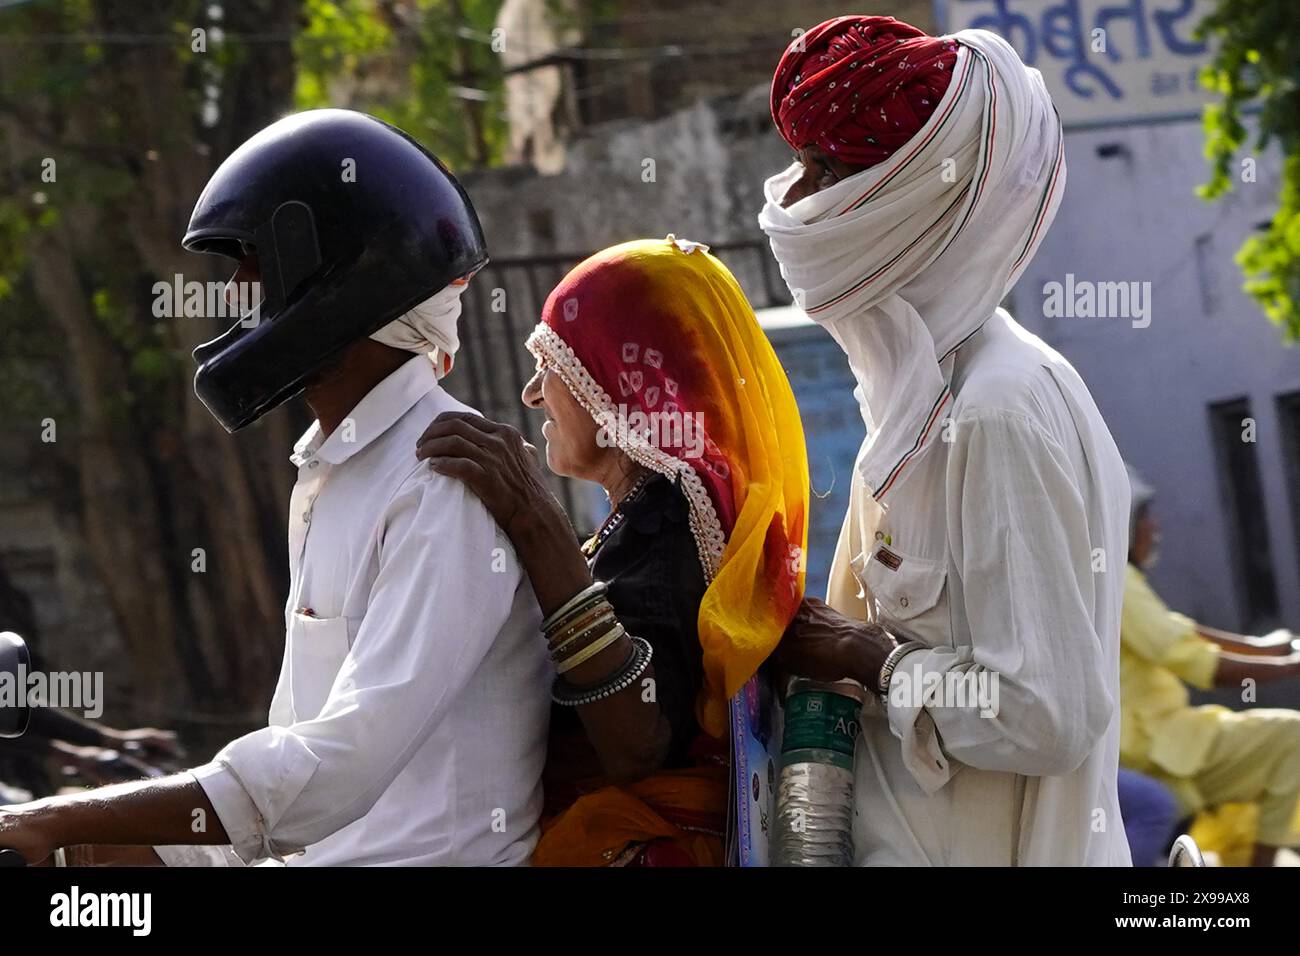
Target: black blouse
<point>652,568</point>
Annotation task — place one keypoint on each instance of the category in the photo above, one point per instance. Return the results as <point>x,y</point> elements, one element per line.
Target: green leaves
<point>1257,70</point>
<point>430,71</point>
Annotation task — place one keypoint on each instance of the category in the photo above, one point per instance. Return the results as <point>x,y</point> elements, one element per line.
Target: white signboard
<point>1104,62</point>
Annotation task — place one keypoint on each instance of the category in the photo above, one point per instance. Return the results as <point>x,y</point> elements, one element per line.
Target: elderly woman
<point>659,385</point>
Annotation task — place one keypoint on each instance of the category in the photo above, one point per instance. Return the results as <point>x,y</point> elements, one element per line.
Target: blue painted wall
<point>833,429</point>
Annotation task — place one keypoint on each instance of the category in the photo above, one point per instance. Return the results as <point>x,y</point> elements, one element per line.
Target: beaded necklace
<point>615,519</point>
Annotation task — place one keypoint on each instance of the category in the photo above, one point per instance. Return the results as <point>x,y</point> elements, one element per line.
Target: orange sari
<point>674,818</point>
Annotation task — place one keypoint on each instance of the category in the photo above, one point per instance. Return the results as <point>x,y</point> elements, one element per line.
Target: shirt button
<point>306,517</point>
<point>902,602</point>
<point>312,464</point>
<point>880,536</point>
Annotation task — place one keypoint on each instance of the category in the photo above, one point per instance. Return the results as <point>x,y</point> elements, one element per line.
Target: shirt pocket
<point>910,594</point>
<point>317,648</point>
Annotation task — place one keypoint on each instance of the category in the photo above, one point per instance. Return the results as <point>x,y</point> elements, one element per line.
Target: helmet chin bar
<point>14,665</point>
<point>247,372</point>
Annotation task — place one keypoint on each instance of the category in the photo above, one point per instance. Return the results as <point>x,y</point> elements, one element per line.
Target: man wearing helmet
<point>409,722</point>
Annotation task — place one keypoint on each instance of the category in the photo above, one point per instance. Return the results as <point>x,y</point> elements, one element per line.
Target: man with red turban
<point>851,91</point>
<point>977,582</point>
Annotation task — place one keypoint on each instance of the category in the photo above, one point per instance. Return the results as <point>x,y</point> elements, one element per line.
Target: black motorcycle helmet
<point>352,222</point>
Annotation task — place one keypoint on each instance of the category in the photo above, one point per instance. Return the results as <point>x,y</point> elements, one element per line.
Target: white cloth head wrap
<point>429,327</point>
<point>904,261</point>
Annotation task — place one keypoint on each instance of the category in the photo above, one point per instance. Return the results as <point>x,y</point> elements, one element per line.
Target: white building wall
<point>1132,215</point>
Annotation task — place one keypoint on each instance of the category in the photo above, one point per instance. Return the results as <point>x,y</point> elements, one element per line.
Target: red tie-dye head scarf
<point>858,88</point>
<point>656,340</point>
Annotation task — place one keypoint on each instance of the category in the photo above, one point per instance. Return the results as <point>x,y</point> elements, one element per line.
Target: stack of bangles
<point>579,630</point>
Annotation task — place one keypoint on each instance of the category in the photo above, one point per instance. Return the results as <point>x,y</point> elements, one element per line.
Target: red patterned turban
<point>858,88</point>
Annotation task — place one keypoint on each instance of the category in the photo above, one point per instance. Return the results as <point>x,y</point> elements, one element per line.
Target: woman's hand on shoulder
<point>497,464</point>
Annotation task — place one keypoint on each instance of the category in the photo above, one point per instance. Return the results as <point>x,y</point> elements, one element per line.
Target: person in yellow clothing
<point>1207,755</point>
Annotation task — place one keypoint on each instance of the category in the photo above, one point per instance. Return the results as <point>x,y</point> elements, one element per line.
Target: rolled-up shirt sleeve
<point>220,856</point>
<point>445,586</point>
<point>1019,537</point>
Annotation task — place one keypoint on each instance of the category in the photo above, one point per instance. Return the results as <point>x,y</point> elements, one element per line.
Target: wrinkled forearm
<point>631,735</point>
<point>548,551</point>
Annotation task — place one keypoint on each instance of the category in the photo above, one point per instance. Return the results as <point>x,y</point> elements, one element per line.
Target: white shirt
<point>1003,551</point>
<point>409,722</point>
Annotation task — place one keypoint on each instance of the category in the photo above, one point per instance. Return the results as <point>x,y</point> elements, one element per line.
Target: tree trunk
<point>156,477</point>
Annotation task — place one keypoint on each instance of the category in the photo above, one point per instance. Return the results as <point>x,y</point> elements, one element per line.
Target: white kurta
<point>409,723</point>
<point>1002,550</point>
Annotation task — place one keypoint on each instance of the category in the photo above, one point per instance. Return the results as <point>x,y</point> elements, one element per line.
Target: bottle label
<point>819,720</point>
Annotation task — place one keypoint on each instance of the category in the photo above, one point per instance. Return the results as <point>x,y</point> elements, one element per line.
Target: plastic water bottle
<point>813,823</point>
